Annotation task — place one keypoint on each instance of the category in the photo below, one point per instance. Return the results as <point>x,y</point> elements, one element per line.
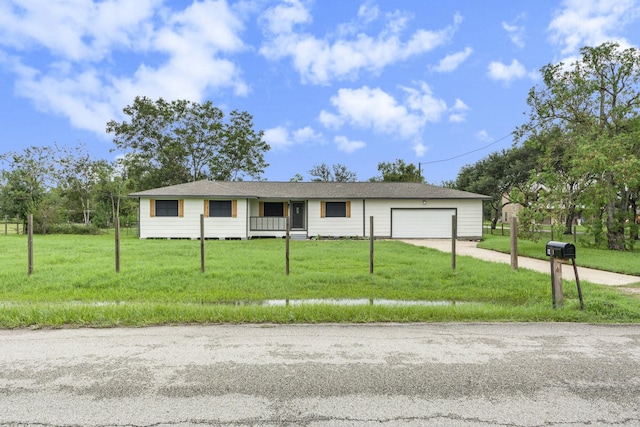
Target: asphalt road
<point>538,374</point>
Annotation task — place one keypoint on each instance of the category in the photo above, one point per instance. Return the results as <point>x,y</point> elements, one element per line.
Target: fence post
<point>6,225</point>
<point>287,246</point>
<point>371,239</point>
<point>514,242</point>
<point>454,235</point>
<point>117,234</point>
<point>557,295</point>
<point>30,243</point>
<point>202,243</point>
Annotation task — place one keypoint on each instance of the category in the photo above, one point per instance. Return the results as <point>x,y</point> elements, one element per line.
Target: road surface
<point>537,374</point>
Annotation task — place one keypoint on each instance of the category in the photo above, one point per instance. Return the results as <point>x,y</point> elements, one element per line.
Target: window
<point>220,208</point>
<point>274,209</point>
<point>336,209</point>
<point>166,208</point>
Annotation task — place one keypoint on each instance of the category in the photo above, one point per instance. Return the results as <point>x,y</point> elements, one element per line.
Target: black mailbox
<point>561,250</point>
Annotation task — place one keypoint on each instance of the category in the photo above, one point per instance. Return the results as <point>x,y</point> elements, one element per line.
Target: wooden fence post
<point>202,243</point>
<point>514,242</point>
<point>287,238</point>
<point>30,243</point>
<point>117,233</point>
<point>371,239</point>
<point>6,225</point>
<point>454,236</point>
<point>557,295</point>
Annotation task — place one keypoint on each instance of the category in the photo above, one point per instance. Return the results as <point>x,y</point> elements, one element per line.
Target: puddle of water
<point>361,301</point>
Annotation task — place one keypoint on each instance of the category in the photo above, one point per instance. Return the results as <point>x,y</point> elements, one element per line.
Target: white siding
<point>469,214</point>
<point>188,227</point>
<point>336,227</point>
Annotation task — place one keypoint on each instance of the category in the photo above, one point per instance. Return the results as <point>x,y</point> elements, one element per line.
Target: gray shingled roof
<point>308,190</point>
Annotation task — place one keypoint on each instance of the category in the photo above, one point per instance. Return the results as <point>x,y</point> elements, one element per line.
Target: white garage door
<point>421,223</point>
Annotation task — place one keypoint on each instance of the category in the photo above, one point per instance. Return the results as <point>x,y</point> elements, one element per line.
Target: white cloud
<point>368,12</point>
<point>281,138</point>
<point>509,72</point>
<point>372,108</point>
<point>483,136</point>
<point>376,110</point>
<point>581,23</point>
<point>282,18</point>
<point>76,30</point>
<point>77,41</point>
<point>278,137</point>
<point>451,62</point>
<point>321,60</point>
<point>458,112</point>
<point>422,99</point>
<point>348,146</point>
<point>420,149</point>
<point>516,32</point>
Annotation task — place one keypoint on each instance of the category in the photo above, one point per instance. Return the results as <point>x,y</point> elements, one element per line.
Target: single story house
<point>251,209</point>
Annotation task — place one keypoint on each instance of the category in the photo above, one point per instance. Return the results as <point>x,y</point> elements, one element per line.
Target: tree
<point>26,181</point>
<point>111,190</point>
<point>595,101</point>
<point>501,175</point>
<point>78,175</point>
<point>337,173</point>
<point>398,171</point>
<point>179,141</point>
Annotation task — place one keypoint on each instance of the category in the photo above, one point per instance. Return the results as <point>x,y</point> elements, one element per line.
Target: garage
<point>421,223</point>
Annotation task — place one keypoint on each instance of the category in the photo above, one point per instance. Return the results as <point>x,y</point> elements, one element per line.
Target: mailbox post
<point>559,253</point>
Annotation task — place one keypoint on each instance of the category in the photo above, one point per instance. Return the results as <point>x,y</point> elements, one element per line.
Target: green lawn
<point>74,283</point>
<point>627,262</point>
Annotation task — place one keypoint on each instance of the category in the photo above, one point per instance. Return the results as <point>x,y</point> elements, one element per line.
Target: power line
<point>468,152</point>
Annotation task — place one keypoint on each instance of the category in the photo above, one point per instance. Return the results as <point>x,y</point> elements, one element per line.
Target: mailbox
<point>561,250</point>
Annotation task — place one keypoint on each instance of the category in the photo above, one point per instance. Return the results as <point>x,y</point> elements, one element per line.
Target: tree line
<point>577,154</point>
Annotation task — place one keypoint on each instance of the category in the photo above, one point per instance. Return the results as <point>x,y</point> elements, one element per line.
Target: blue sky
<point>333,81</point>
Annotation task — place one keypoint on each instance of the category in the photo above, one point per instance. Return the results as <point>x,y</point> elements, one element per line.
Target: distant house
<point>244,210</point>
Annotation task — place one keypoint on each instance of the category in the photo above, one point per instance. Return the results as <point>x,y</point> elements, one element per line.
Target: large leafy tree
<point>171,142</point>
<point>594,102</point>
<point>398,171</point>
<point>503,175</point>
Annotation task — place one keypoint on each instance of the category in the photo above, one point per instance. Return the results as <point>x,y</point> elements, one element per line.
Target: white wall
<point>469,219</point>
<point>188,227</point>
<point>469,214</point>
<point>337,227</point>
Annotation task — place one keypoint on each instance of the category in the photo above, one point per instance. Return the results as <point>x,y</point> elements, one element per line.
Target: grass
<point>74,284</point>
<point>626,262</point>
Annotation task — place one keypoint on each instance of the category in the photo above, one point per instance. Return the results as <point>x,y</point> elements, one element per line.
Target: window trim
<point>207,208</point>
<point>153,210</point>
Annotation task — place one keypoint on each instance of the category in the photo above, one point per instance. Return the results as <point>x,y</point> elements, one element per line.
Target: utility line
<point>468,152</point>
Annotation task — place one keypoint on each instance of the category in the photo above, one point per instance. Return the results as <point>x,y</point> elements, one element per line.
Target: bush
<point>74,229</point>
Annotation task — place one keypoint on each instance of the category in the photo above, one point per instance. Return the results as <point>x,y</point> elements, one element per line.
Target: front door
<point>297,215</point>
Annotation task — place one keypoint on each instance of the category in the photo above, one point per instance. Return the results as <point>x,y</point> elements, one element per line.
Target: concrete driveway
<point>536,374</point>
<point>470,249</point>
